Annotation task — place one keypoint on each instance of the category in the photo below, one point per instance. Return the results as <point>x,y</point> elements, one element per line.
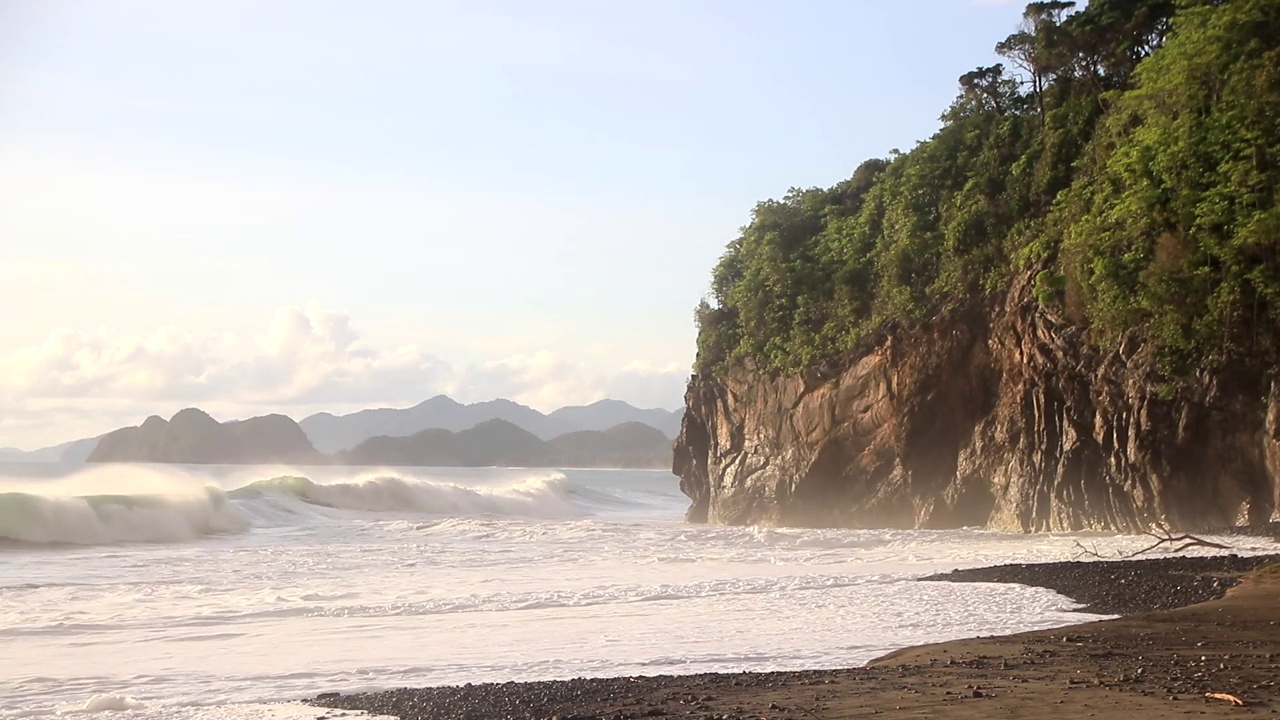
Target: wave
<point>165,506</point>
<point>109,519</point>
<point>540,496</point>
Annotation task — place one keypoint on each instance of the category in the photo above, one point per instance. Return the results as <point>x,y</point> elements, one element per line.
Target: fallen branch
<point>1228,697</point>
<point>1164,536</point>
<point>1087,552</point>
<point>809,712</point>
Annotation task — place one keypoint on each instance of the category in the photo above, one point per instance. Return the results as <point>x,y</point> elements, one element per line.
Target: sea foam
<point>105,703</point>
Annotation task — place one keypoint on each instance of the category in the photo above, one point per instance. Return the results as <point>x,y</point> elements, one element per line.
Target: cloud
<point>302,360</point>
<point>304,355</point>
<point>546,380</point>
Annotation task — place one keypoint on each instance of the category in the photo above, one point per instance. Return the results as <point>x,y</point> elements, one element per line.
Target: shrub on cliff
<point>1128,155</point>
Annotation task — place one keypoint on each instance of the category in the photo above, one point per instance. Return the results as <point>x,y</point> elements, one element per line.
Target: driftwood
<point>1228,697</point>
<point>1082,551</point>
<point>1163,536</point>
<point>809,712</point>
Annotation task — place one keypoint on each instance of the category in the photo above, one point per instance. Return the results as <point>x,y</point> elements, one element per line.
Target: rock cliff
<point>998,416</point>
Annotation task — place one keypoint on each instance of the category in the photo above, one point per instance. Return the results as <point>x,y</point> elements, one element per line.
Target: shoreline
<point>1189,626</point>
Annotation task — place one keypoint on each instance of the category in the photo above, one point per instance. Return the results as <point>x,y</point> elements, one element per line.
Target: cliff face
<point>998,417</point>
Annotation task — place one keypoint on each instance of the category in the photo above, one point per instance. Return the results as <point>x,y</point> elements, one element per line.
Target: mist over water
<point>184,592</point>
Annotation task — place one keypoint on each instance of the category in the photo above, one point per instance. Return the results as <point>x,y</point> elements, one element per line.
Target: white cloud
<point>305,359</point>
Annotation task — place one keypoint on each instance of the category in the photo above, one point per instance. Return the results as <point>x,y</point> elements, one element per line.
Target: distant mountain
<point>504,444</point>
<point>627,445</point>
<point>606,414</point>
<point>331,433</point>
<point>492,442</point>
<point>74,452</point>
<point>193,436</point>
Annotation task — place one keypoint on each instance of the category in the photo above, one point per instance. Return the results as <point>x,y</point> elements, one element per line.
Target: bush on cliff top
<point>1129,156</point>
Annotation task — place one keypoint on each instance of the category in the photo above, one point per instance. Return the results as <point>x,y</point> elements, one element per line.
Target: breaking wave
<point>169,505</point>
<point>545,496</point>
<point>107,519</point>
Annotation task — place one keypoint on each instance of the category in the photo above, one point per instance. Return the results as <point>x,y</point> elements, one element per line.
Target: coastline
<point>1190,626</point>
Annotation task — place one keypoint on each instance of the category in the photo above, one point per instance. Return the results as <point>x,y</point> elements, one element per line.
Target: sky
<point>299,206</point>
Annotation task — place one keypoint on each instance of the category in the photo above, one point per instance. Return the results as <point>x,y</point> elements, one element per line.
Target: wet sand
<point>1148,665</point>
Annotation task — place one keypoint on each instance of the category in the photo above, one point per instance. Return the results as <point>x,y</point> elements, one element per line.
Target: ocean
<point>182,592</point>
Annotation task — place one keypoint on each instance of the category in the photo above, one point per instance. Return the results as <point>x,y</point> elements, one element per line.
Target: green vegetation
<point>1128,158</point>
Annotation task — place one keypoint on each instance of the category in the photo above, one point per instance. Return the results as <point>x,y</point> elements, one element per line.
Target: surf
<point>168,504</point>
<point>539,496</point>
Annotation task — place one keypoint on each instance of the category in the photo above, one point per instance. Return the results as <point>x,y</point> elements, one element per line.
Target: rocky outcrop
<point>1001,416</point>
<point>192,436</point>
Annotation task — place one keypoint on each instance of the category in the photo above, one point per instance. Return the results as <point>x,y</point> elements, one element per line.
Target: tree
<point>1137,178</point>
<point>1038,48</point>
<point>987,89</point>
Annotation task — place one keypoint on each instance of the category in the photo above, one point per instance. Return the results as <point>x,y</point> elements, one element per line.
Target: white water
<point>161,592</point>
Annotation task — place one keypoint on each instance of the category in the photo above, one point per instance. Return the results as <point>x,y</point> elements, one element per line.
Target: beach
<point>1199,625</point>
<point>174,595</point>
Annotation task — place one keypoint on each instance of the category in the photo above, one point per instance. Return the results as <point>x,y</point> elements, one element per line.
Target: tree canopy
<point>1128,155</point>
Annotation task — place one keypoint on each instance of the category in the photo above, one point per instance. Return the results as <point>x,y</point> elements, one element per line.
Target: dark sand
<point>1152,665</point>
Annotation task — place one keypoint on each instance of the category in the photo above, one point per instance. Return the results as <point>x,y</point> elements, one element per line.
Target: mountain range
<point>331,433</point>
<point>73,452</point>
<point>501,443</point>
<point>608,431</point>
<point>192,436</point>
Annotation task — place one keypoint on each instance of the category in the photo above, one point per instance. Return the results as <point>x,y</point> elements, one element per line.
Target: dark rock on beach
<point>1125,587</point>
<point>617,698</point>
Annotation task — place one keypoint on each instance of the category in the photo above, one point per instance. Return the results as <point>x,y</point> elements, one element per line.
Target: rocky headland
<point>1059,312</point>
<point>1001,417</point>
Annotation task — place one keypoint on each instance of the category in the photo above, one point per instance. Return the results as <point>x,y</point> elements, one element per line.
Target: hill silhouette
<point>192,436</point>
<point>331,433</point>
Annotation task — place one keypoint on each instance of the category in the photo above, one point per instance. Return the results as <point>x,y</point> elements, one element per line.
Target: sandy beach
<point>1225,638</point>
